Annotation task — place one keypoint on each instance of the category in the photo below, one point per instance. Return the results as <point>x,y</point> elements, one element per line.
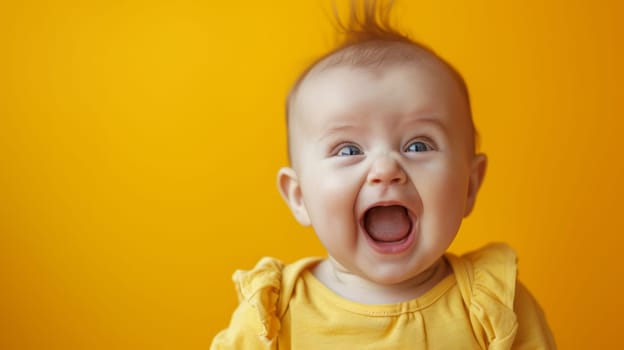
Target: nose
<point>386,170</point>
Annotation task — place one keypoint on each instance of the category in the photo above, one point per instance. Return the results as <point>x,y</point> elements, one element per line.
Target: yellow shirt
<point>480,306</point>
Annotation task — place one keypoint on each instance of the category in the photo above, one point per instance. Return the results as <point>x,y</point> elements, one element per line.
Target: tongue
<point>387,224</point>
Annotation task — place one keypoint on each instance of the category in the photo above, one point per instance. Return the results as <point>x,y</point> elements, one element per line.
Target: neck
<point>361,290</point>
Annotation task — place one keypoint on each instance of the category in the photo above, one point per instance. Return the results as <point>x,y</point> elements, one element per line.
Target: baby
<point>384,168</point>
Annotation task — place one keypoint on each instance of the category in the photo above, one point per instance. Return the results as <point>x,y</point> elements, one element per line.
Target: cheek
<point>444,197</point>
<point>329,196</point>
<point>330,201</point>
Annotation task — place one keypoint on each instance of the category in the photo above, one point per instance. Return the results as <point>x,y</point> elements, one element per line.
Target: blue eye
<point>348,150</point>
<point>418,146</point>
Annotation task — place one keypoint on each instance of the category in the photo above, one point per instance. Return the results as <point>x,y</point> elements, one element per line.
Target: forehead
<point>424,88</point>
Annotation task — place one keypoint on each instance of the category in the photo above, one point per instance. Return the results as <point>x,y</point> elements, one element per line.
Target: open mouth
<point>387,224</point>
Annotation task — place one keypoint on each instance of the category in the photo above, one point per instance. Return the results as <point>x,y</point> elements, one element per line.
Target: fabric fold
<point>260,288</point>
<point>488,288</point>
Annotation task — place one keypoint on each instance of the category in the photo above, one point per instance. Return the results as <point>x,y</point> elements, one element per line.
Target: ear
<point>288,186</point>
<point>477,173</point>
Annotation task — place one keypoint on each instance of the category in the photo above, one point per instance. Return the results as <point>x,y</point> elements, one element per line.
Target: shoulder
<point>502,310</point>
<point>263,294</point>
<point>265,276</point>
<point>270,275</point>
<point>269,279</point>
<point>491,269</point>
<point>487,281</point>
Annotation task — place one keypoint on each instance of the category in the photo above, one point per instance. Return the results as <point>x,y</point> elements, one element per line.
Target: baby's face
<point>383,165</point>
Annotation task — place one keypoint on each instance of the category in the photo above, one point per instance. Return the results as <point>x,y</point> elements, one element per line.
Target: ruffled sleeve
<point>487,281</point>
<point>255,323</point>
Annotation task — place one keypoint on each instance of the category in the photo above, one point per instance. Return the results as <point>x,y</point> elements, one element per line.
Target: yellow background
<point>139,143</point>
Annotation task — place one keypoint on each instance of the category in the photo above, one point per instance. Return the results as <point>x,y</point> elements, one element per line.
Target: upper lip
<point>385,204</point>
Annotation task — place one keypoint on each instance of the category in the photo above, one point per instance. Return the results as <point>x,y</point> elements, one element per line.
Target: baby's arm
<point>533,330</point>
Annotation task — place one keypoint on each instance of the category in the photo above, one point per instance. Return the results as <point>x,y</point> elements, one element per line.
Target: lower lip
<point>397,247</point>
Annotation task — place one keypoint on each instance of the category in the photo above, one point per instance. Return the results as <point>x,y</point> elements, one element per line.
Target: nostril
<point>386,170</point>
<point>386,178</point>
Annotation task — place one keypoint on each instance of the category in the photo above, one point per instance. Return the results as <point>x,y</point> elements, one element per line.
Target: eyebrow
<point>338,128</point>
<point>342,127</point>
<point>433,121</point>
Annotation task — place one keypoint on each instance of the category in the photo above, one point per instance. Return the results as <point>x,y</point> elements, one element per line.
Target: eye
<point>418,146</point>
<point>348,150</point>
